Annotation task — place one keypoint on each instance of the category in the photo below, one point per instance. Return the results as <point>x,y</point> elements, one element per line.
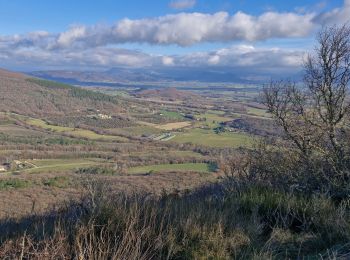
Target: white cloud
<point>167,61</point>
<point>187,29</point>
<point>182,4</point>
<point>237,57</point>
<point>213,60</point>
<point>337,15</point>
<point>245,57</point>
<point>184,29</point>
<point>72,35</point>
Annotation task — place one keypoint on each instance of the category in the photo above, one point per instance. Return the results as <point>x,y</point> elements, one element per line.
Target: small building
<point>19,164</point>
<point>103,116</point>
<point>2,168</point>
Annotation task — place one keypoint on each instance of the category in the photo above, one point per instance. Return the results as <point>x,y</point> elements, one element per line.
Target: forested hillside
<point>30,96</point>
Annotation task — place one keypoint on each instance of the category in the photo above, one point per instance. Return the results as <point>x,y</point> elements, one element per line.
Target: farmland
<point>57,165</point>
<point>211,139</point>
<point>134,140</point>
<point>195,167</point>
<point>82,133</point>
<point>173,126</point>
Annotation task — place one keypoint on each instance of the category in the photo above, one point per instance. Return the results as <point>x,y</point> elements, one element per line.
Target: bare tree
<point>313,116</point>
<point>327,75</point>
<point>287,104</point>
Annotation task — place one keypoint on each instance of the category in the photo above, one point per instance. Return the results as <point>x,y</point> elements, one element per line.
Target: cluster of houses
<point>100,116</point>
<point>14,165</point>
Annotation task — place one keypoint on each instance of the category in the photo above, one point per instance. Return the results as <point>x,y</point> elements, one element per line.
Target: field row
<point>60,165</point>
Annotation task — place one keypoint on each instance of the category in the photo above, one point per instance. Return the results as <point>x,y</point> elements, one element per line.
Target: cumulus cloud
<point>38,39</point>
<point>245,57</point>
<point>214,59</point>
<point>337,15</point>
<point>182,4</point>
<point>167,61</point>
<point>184,29</point>
<point>187,29</point>
<point>74,34</point>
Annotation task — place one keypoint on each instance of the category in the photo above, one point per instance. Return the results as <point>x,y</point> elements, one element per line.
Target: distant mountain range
<point>127,76</point>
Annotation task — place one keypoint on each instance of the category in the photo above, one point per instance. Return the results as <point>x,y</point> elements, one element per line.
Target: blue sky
<point>236,34</point>
<point>18,16</point>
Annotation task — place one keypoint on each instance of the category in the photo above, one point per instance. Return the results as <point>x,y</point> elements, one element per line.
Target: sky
<point>236,35</point>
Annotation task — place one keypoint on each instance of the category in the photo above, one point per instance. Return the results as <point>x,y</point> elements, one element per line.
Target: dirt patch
<point>173,126</point>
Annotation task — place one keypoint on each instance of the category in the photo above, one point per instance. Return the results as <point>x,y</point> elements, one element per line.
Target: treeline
<point>75,92</point>
<point>33,140</point>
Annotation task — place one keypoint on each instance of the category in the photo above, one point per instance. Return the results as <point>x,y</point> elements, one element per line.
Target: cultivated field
<point>173,126</point>
<point>194,167</point>
<point>83,133</point>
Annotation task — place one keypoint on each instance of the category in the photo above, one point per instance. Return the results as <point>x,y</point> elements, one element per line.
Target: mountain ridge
<point>173,74</point>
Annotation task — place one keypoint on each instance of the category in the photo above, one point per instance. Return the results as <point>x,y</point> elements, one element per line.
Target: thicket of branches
<point>314,154</point>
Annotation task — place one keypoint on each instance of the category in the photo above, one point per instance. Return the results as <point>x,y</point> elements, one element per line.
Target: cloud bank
<point>235,57</point>
<point>97,45</point>
<point>183,29</point>
<point>335,16</point>
<point>186,29</point>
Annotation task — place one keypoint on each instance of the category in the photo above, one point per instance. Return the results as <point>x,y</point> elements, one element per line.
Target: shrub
<point>97,170</point>
<point>14,183</point>
<point>58,181</point>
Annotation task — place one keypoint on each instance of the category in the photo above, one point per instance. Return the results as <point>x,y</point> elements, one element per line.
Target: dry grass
<point>39,197</point>
<point>209,223</point>
<point>168,126</point>
<point>174,126</point>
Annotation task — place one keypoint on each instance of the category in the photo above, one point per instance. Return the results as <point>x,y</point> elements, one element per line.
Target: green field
<point>257,112</point>
<point>136,130</point>
<point>14,130</point>
<point>216,112</point>
<point>211,119</point>
<point>81,133</point>
<point>172,115</point>
<point>197,167</point>
<point>173,154</point>
<point>14,184</point>
<point>59,164</point>
<point>217,117</point>
<point>211,139</point>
